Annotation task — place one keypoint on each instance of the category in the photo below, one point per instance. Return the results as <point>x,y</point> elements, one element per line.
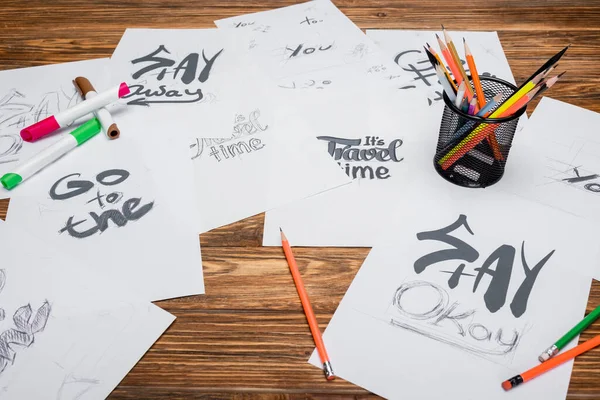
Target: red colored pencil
<point>310,315</point>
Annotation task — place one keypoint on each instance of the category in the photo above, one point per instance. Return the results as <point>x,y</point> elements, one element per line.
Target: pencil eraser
<point>39,129</point>
<point>123,90</point>
<point>544,357</point>
<point>506,385</point>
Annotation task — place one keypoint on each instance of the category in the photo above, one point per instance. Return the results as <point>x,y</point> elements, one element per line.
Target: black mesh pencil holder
<point>472,151</point>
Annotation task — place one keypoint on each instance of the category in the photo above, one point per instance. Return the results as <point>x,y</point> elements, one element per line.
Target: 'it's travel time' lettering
<point>349,152</point>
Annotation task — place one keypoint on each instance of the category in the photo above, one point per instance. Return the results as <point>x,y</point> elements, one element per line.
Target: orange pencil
<point>310,315</point>
<point>550,364</point>
<point>437,57</point>
<point>474,75</point>
<point>458,62</point>
<point>449,60</point>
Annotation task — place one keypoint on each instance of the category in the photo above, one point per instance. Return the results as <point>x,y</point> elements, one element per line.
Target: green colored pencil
<point>576,330</point>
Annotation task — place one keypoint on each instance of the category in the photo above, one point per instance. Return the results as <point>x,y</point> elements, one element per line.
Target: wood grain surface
<point>247,338</point>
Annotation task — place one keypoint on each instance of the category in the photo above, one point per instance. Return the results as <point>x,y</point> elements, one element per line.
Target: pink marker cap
<point>39,129</point>
<point>123,89</point>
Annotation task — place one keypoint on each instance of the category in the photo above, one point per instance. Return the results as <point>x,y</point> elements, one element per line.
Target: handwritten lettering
<point>185,71</point>
<point>503,258</point>
<point>437,317</point>
<point>348,152</point>
<point>66,188</point>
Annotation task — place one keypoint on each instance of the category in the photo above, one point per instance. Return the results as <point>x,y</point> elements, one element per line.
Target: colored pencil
<point>445,70</point>
<point>567,337</point>
<point>547,65</point>
<point>458,62</point>
<point>474,75</point>
<point>532,81</point>
<point>449,60</point>
<point>489,105</point>
<point>460,95</point>
<point>445,83</point>
<point>550,364</point>
<point>308,311</point>
<point>477,135</point>
<point>472,105</point>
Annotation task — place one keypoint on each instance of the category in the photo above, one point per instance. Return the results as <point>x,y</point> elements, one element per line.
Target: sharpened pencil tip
<point>561,74</point>
<point>436,35</point>
<point>464,41</point>
<point>443,27</point>
<point>280,230</point>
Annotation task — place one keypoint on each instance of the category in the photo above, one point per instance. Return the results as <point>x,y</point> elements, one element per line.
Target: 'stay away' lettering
<point>349,151</point>
<point>185,71</point>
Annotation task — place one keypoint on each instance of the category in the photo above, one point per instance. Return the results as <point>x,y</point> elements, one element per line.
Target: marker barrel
<point>106,121</point>
<point>51,154</point>
<point>64,118</point>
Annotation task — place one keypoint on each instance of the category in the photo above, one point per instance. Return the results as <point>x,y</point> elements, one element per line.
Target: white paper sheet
<point>555,160</point>
<point>262,168</point>
<point>182,80</point>
<point>352,216</point>
<point>29,95</point>
<point>101,202</point>
<point>67,333</point>
<point>446,307</point>
<point>325,70</point>
<point>405,48</point>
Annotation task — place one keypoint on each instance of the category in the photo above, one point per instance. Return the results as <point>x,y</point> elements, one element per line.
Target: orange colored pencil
<point>450,61</point>
<point>437,57</point>
<point>458,62</point>
<point>310,315</point>
<point>551,363</point>
<point>474,75</point>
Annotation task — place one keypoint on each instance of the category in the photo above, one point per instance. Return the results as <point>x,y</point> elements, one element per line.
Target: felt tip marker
<point>64,118</point>
<point>87,91</point>
<point>50,154</point>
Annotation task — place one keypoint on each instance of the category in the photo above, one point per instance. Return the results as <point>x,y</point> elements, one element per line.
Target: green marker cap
<point>10,180</point>
<point>86,131</point>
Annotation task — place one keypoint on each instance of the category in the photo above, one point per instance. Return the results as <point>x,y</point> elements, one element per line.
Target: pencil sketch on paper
<point>364,158</point>
<point>302,50</point>
<point>164,68</point>
<point>73,388</point>
<point>17,112</point>
<point>242,126</point>
<point>472,328</point>
<point>572,175</point>
<point>306,84</point>
<point>26,326</point>
<point>106,199</point>
<point>417,64</point>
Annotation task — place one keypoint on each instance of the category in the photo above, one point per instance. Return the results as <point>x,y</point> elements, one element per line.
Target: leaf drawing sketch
<point>27,325</point>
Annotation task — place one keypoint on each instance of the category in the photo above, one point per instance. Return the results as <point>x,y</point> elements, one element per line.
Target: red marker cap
<point>39,129</point>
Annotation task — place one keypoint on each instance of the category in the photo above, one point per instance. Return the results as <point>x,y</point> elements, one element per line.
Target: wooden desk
<point>247,337</point>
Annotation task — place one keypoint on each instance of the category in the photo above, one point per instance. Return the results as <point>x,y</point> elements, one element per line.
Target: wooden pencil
<point>308,311</point>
